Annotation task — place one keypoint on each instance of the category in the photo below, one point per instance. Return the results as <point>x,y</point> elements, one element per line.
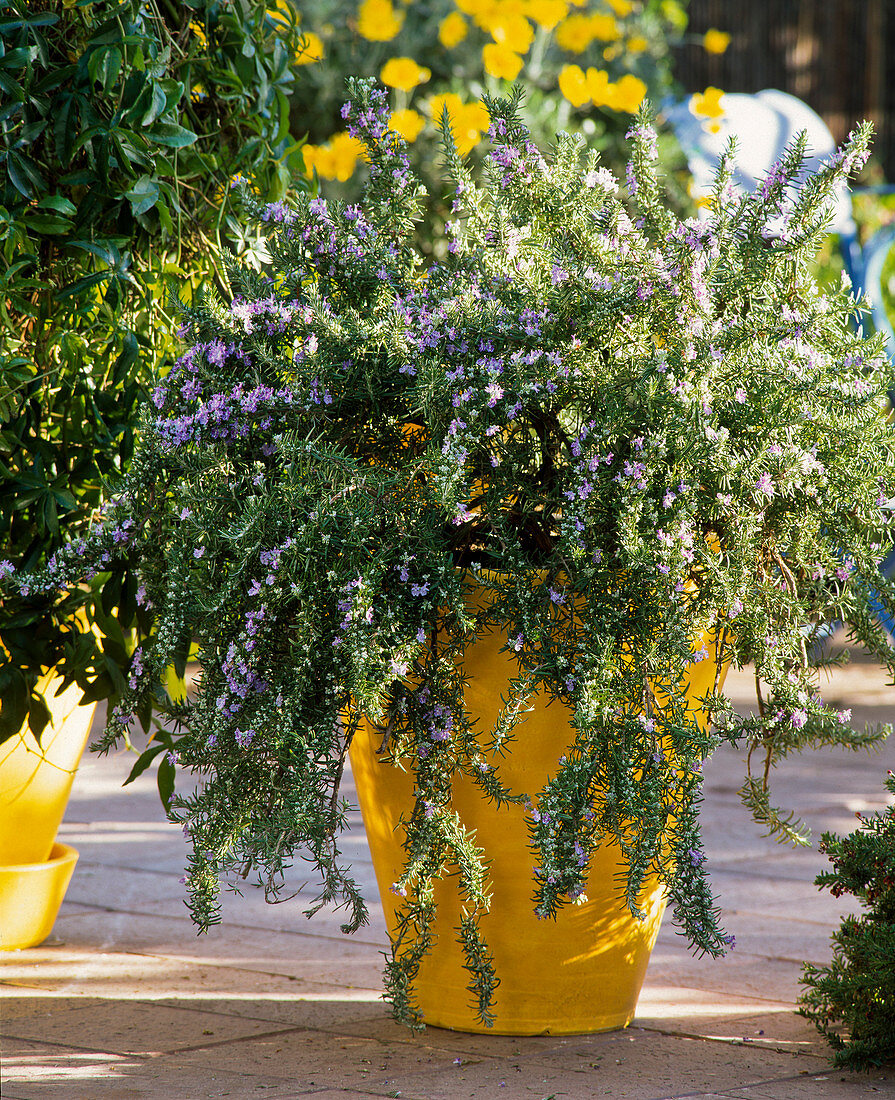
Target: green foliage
<point>121,126</point>
<point>627,443</point>
<point>852,1001</point>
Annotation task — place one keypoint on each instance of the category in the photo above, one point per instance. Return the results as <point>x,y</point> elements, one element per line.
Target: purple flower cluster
<point>226,417</point>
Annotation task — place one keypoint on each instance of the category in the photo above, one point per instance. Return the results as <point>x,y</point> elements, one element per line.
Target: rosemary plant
<point>625,430</point>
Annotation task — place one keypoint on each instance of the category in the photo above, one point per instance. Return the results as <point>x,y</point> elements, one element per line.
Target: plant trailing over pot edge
<point>627,429</point>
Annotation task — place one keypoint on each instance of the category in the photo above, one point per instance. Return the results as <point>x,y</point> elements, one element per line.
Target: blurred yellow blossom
<point>573,85</point>
<point>403,73</point>
<point>488,14</point>
<point>452,30</point>
<point>595,87</point>
<point>604,27</point>
<point>500,61</point>
<point>714,41</point>
<point>636,43</point>
<point>335,161</point>
<point>438,103</point>
<point>575,33</point>
<point>599,87</point>
<point>547,13</point>
<point>468,120</point>
<point>707,104</point>
<point>512,31</point>
<point>621,7</point>
<point>310,49</point>
<point>630,92</point>
<point>407,123</point>
<point>378,21</point>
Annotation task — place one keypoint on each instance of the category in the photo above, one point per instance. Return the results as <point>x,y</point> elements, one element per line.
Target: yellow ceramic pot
<point>580,973</point>
<point>30,896</point>
<point>36,779</point>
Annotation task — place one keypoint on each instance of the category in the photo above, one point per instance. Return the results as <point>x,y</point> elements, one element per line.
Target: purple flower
<point>765,485</point>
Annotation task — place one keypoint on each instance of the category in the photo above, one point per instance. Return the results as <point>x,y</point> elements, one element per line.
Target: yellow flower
<point>468,120</point>
<point>573,85</point>
<point>575,33</point>
<point>472,121</point>
<point>378,21</point>
<point>438,103</point>
<point>637,44</point>
<point>621,7</point>
<point>407,123</point>
<point>500,61</point>
<point>715,41</point>
<point>707,104</point>
<point>310,49</point>
<point>198,93</point>
<point>629,93</point>
<point>452,30</point>
<point>335,161</point>
<point>490,13</point>
<point>513,31</point>
<point>599,88</point>
<point>403,73</point>
<point>199,31</point>
<point>346,151</point>
<point>547,13</point>
<point>309,152</point>
<point>604,27</point>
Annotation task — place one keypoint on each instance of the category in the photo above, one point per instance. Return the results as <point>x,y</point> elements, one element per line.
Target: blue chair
<point>764,124</point>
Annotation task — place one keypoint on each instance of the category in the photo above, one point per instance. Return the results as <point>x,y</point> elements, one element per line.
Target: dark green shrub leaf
<point>13,701</point>
<point>157,106</point>
<point>166,774</point>
<point>172,135</point>
<point>59,203</point>
<point>143,195</point>
<point>38,716</point>
<point>143,761</point>
<point>45,223</point>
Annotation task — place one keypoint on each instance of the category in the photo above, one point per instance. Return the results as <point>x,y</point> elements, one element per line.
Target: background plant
<point>121,128</point>
<point>583,66</point>
<point>852,1001</point>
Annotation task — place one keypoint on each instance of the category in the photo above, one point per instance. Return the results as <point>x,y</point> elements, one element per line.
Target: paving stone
<point>33,1071</point>
<point>782,1031</point>
<point>19,1002</point>
<point>145,1029</point>
<point>820,1086</point>
<point>320,1059</point>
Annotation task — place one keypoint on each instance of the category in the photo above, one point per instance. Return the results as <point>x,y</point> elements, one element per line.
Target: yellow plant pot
<point>30,896</point>
<point>580,973</point>
<point>36,779</point>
